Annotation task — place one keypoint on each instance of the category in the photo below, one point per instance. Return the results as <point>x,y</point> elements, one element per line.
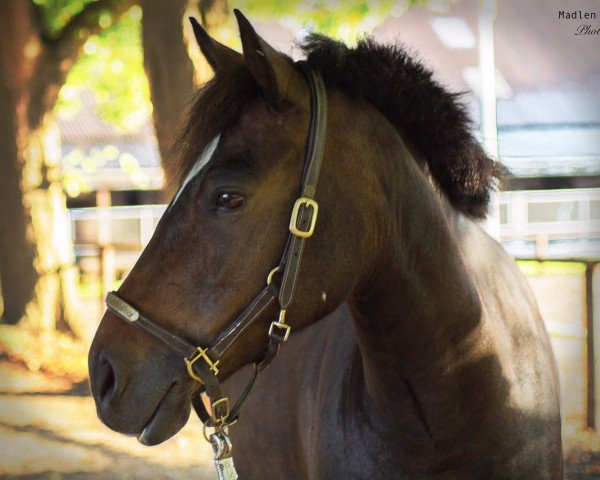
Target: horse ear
<point>218,56</point>
<point>271,69</point>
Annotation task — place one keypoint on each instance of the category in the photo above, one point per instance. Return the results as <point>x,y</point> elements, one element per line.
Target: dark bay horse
<point>417,350</point>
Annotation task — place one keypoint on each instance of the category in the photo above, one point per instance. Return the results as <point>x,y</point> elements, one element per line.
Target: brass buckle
<point>281,326</point>
<point>309,202</point>
<point>221,420</point>
<point>201,354</point>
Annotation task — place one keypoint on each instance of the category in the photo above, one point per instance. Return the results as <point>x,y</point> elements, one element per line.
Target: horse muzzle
<point>149,398</point>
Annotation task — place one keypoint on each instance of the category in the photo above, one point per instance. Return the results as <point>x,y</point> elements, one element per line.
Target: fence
<point>551,223</point>
<point>542,224</point>
<point>533,224</point>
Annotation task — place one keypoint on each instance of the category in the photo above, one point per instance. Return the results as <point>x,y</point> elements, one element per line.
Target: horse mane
<point>429,117</point>
<point>215,106</point>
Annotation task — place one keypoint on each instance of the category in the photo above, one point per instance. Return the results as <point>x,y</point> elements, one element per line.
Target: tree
<point>40,43</point>
<point>35,57</point>
<point>170,74</point>
<point>167,61</point>
<point>168,67</point>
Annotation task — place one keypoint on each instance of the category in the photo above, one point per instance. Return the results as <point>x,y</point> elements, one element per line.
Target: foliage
<point>342,20</point>
<point>111,67</point>
<point>112,63</point>
<point>57,13</point>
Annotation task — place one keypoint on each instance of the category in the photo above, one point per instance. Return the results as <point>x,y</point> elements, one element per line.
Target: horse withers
<point>417,350</point>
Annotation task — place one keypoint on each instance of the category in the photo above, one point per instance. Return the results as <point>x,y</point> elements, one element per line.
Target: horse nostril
<point>106,382</point>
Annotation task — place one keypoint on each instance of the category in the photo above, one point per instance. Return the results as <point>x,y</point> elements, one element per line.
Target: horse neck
<point>421,308</point>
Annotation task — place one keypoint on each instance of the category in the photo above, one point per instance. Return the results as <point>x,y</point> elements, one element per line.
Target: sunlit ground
<point>56,435</point>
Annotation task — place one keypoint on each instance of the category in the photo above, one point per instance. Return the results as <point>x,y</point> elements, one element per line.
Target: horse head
<point>239,167</point>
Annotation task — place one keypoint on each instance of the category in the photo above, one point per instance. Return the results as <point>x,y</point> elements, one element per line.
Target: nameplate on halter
<point>120,306</point>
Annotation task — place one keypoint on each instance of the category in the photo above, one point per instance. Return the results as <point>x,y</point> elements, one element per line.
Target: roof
<point>548,78</point>
<point>86,127</point>
<point>96,156</point>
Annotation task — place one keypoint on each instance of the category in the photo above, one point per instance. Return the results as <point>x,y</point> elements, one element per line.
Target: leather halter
<point>203,363</point>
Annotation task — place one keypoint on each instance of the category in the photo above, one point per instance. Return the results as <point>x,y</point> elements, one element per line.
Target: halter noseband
<point>203,363</point>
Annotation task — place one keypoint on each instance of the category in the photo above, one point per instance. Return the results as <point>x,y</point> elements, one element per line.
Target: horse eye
<point>230,200</point>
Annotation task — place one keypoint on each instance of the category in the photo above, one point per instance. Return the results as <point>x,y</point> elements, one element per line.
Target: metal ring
<point>218,445</point>
<point>221,444</point>
<point>222,428</point>
<point>270,276</point>
<point>204,427</point>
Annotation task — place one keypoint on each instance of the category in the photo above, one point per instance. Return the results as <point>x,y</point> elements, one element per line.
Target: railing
<point>108,241</point>
<point>124,225</point>
<point>557,213</point>
<point>551,223</point>
<point>547,224</point>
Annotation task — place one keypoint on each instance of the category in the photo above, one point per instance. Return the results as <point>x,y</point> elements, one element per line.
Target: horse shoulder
<point>516,336</point>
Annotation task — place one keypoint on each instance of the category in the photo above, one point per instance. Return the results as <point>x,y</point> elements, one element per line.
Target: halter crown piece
<point>203,363</point>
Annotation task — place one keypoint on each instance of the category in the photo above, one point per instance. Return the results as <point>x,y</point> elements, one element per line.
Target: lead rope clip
<point>221,445</point>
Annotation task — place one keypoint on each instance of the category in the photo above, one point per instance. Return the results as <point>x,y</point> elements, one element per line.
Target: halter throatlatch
<point>203,363</point>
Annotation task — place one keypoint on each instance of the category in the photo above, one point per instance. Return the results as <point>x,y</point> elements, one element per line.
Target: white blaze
<point>198,166</point>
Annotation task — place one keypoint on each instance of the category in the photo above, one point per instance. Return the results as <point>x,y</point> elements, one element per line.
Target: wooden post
<point>488,11</point>
<point>591,360</point>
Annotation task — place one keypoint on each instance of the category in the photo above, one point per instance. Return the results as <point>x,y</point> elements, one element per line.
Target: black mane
<point>428,116</point>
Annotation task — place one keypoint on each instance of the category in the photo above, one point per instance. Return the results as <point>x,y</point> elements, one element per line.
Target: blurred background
<point>91,93</point>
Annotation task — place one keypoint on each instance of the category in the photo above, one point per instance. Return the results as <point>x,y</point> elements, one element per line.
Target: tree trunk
<point>167,61</point>
<point>18,275</point>
<point>37,276</point>
<point>55,301</point>
<point>36,253</point>
<point>168,67</point>
<point>19,47</point>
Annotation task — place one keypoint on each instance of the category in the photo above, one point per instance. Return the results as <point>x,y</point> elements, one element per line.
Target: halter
<point>203,363</point>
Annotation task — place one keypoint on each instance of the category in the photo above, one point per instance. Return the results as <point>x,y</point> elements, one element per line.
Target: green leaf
<point>111,67</point>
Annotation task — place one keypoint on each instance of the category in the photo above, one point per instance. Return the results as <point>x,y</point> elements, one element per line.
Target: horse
<point>416,350</point>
